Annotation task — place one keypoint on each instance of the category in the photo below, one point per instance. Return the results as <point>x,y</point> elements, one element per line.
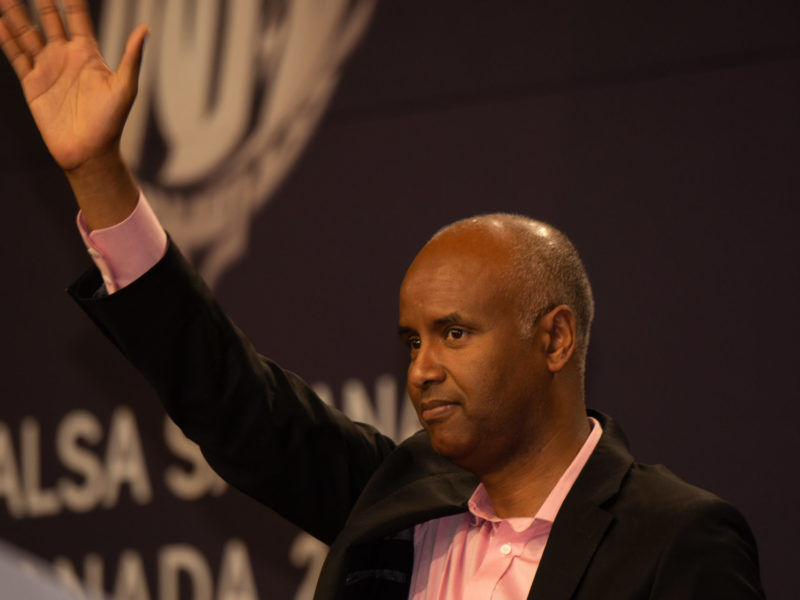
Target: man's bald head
<point>545,269</point>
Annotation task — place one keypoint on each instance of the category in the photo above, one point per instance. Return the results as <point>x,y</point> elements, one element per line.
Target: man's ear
<point>559,324</point>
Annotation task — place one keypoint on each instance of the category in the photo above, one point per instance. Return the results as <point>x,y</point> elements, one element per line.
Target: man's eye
<point>413,343</point>
<point>455,333</point>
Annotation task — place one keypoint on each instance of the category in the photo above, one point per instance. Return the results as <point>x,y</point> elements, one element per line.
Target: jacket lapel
<point>581,522</point>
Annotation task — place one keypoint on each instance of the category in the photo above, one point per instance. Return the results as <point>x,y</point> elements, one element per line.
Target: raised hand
<point>78,103</point>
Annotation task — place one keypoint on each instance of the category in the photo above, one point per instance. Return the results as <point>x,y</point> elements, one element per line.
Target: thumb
<point>131,61</point>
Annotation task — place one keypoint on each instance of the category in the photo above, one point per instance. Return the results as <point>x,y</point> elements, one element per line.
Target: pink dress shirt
<point>469,555</point>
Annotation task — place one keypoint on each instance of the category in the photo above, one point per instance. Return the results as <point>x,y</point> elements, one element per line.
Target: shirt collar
<point>481,506</point>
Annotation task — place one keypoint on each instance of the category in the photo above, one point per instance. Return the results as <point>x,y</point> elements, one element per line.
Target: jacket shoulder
<point>665,537</point>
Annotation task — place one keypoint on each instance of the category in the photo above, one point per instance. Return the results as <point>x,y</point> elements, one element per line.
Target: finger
<point>79,21</point>
<point>131,60</point>
<point>18,59</point>
<point>50,19</point>
<point>20,28</point>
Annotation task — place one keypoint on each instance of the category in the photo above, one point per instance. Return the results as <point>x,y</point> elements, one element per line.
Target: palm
<point>77,101</point>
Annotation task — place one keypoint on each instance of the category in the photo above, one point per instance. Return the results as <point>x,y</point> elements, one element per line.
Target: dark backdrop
<point>662,137</point>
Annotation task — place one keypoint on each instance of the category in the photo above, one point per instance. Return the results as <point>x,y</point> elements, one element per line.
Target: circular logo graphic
<point>229,95</point>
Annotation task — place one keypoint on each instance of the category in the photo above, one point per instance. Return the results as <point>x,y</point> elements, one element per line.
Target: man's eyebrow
<point>453,317</point>
<point>403,330</point>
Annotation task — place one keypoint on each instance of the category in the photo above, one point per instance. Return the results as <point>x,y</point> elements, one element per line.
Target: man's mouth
<point>435,410</point>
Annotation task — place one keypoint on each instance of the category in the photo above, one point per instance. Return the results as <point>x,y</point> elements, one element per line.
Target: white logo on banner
<point>229,95</point>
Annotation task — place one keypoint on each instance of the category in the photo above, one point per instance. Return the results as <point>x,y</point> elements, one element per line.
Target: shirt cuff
<point>126,251</point>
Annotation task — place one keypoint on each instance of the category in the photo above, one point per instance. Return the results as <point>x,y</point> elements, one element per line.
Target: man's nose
<point>426,368</point>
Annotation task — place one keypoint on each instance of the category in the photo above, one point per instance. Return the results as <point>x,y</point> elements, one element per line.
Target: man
<point>511,491</point>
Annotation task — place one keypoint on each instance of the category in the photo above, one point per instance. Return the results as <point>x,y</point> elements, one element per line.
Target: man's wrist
<point>105,190</point>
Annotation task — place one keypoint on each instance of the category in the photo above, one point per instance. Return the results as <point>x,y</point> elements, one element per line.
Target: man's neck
<point>520,488</point>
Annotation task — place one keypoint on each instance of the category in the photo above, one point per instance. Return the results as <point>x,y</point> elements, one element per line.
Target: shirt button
<point>505,549</point>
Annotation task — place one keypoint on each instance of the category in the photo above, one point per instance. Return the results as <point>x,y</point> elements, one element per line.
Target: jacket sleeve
<point>262,428</point>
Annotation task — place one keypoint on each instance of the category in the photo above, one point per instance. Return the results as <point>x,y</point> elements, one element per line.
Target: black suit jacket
<point>625,530</point>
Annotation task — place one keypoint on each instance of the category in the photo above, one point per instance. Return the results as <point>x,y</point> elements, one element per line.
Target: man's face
<point>475,379</point>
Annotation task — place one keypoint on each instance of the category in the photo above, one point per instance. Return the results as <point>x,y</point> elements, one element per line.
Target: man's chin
<point>453,448</point>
